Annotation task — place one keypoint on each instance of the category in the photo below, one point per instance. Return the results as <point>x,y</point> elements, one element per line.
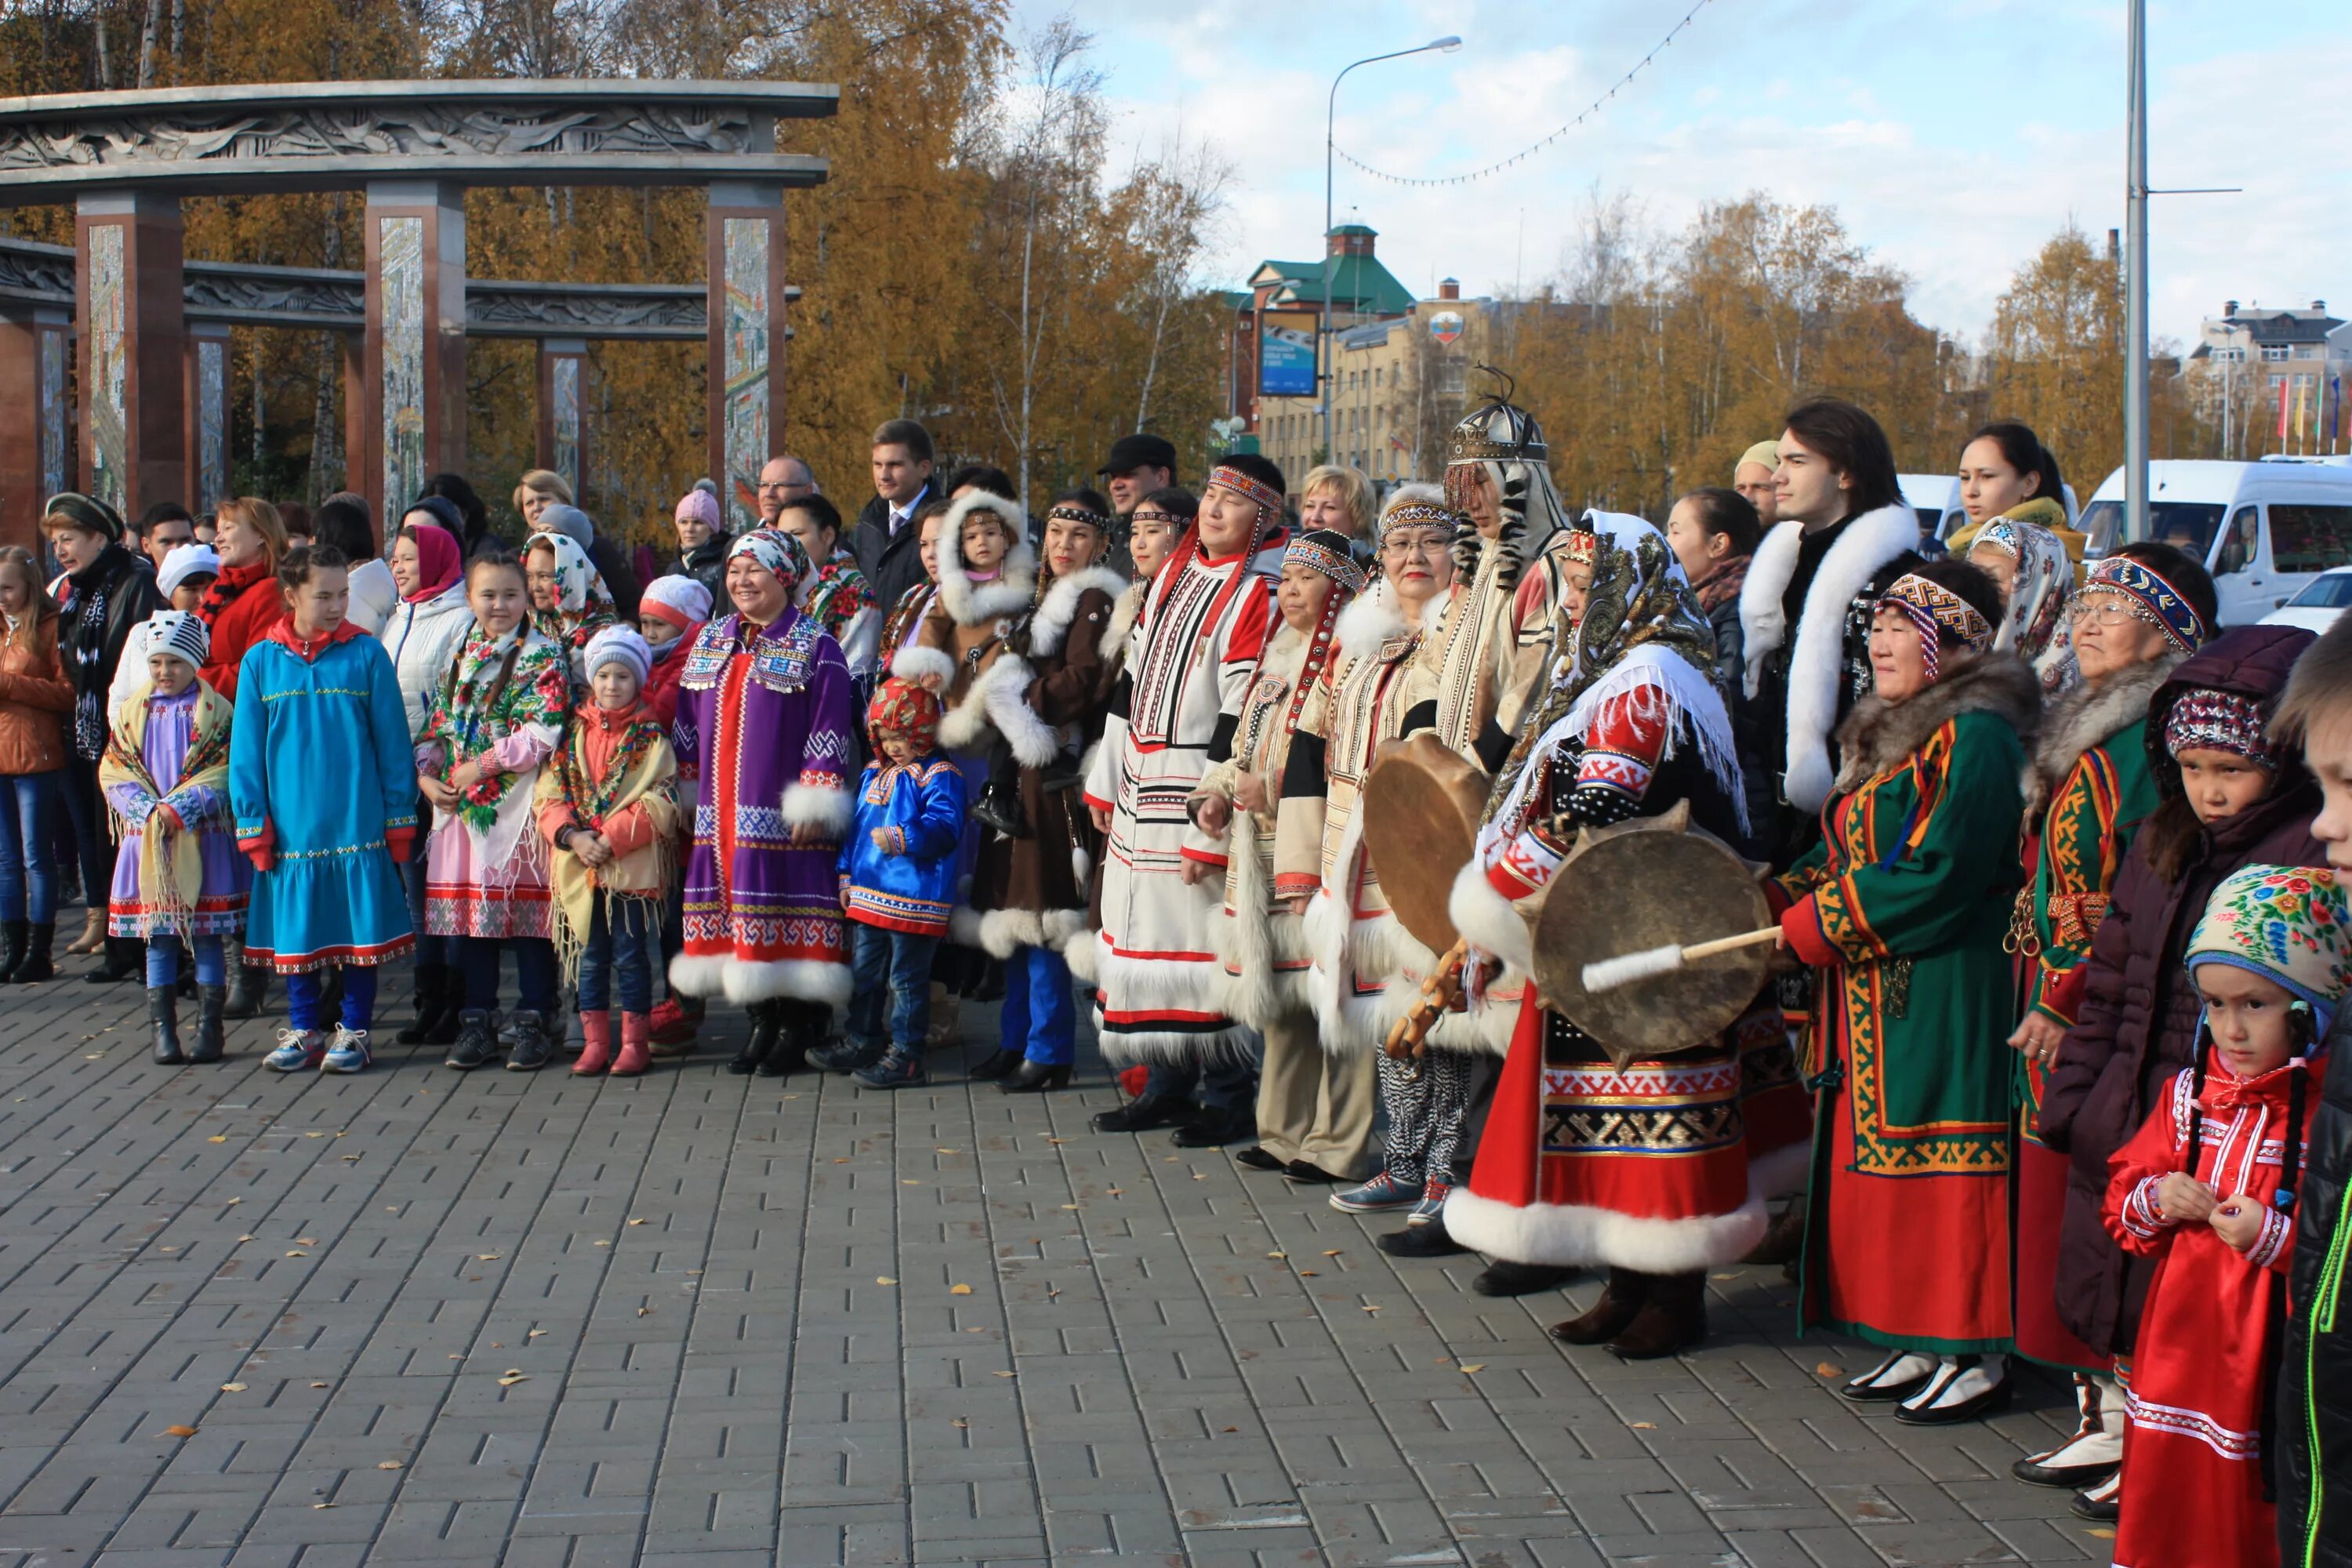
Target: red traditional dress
<point>2192,1491</point>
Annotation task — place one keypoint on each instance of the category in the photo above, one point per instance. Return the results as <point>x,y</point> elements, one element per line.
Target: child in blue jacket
<point>898,887</point>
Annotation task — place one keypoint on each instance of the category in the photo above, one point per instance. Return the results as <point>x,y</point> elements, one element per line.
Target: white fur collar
<point>1371,621</point>
<point>1862,551</point>
<point>1763,626</point>
<point>971,604</point>
<point>1053,617</point>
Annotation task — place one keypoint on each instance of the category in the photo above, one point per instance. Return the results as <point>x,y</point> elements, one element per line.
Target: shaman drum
<point>1645,883</point>
<point>1420,805</point>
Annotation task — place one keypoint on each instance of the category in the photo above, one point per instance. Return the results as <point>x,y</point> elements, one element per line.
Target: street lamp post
<point>1324,368</point>
<point>2136,283</point>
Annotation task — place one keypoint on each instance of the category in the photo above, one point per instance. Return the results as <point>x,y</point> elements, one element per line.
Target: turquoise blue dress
<point>321,771</point>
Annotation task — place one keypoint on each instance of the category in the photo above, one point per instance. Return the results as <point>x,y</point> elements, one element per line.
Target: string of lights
<point>1597,105</point>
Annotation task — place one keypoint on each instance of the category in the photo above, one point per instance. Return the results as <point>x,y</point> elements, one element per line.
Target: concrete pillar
<point>745,378</point>
<point>359,415</point>
<point>206,439</point>
<point>563,411</point>
<point>33,406</point>
<point>414,377</point>
<point>127,295</point>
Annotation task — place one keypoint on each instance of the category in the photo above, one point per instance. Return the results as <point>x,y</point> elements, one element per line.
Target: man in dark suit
<point>885,545</point>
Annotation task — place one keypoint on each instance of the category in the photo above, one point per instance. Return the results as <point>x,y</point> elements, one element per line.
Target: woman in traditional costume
<point>317,692</point>
<point>499,714</point>
<point>1357,946</point>
<point>1314,1109</point>
<point>2029,565</point>
<point>763,736</point>
<point>2091,786</point>
<point>569,602</point>
<point>1901,910</point>
<point>1652,1167</point>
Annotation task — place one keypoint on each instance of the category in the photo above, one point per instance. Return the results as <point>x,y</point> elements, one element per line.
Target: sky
<point>1953,138</point>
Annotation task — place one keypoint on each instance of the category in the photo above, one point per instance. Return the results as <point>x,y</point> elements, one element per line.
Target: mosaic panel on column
<point>563,413</point>
<point>53,410</point>
<point>108,392</point>
<point>746,423</point>
<point>212,421</point>
<point>401,269</point>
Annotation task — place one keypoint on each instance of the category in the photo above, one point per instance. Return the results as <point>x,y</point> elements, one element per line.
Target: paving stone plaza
<point>514,1318</point>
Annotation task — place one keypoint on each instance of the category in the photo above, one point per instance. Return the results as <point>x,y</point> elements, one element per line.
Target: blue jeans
<point>891,968</point>
<point>306,997</point>
<point>1222,1085</point>
<point>163,960</point>
<point>1038,1019</point>
<point>625,944</point>
<point>29,872</point>
<point>429,949</point>
<point>478,961</point>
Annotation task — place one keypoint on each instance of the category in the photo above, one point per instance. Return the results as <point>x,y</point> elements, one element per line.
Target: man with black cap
<point>1137,465</point>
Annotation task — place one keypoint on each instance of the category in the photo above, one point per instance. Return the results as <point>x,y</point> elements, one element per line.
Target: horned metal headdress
<point>1506,441</point>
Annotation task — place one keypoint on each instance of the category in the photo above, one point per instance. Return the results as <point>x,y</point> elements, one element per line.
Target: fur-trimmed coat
<point>1257,938</point>
<point>965,641</point>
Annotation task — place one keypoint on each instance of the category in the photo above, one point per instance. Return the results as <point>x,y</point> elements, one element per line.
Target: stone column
<point>414,371</point>
<point>746,377</point>
<point>205,441</point>
<point>127,295</point>
<point>563,411</point>
<point>34,407</point>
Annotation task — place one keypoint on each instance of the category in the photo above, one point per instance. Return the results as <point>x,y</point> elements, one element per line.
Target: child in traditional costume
<point>497,715</point>
<point>178,875</point>
<point>764,735</point>
<point>1901,909</point>
<point>317,693</point>
<point>1028,896</point>
<point>608,806</point>
<point>1314,1108</point>
<point>671,615</point>
<point>1649,1166</point>
<point>898,885</point>
<point>569,600</point>
<point>2091,785</point>
<point>2208,1188</point>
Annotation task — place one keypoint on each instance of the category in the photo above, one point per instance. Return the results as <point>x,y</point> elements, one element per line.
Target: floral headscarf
<point>494,687</point>
<point>583,606</point>
<point>838,594</point>
<point>2036,628</point>
<point>1945,622</point>
<point>2286,923</point>
<point>779,552</point>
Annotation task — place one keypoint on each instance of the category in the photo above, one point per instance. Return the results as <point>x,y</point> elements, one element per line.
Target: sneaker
<point>348,1053</point>
<point>1432,1204</point>
<point>1382,1192</point>
<point>477,1042</point>
<point>533,1047</point>
<point>847,1056</point>
<point>897,1069</point>
<point>296,1051</point>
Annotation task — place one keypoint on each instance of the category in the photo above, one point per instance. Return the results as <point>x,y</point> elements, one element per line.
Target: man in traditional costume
<point>1159,986</point>
<point>765,709</point>
<point>1314,1109</point>
<point>1653,1169</point>
<point>1901,909</point>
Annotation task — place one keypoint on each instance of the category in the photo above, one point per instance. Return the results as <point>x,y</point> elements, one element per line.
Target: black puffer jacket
<point>2138,1027</point>
<point>2315,1428</point>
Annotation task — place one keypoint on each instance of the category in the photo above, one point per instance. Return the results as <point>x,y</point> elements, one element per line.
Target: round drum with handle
<point>1643,883</point>
<point>1421,806</point>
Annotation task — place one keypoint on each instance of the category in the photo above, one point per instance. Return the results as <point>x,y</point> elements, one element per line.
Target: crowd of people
<point>2041,1071</point>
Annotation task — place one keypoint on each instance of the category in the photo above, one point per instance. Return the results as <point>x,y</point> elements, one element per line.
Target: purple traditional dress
<point>180,744</point>
<point>764,735</point>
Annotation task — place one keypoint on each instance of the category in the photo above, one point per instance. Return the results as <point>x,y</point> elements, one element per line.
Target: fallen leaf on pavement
<point>488,1257</point>
<point>511,1378</point>
<point>179,1431</point>
<point>1307,1274</point>
<point>636,1222</point>
<point>959,1290</point>
<point>389,1465</point>
<point>1474,1366</point>
<point>884,1279</point>
<point>232,1388</point>
<point>1333,1253</point>
<point>1643,1425</point>
<point>1827,1369</point>
<point>217,1138</point>
<point>1001,1374</point>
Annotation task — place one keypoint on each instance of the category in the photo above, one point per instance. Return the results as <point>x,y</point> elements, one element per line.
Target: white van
<point>2264,530</point>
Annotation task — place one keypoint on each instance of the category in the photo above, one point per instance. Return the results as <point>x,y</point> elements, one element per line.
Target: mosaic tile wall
<point>746,371</point>
<point>212,423</point>
<point>401,247</point>
<point>54,408</point>
<point>563,412</point>
<point>108,394</point>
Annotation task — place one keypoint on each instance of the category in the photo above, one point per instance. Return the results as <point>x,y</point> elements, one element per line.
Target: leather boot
<point>596,1028</point>
<point>1620,1301</point>
<point>800,1029</point>
<point>636,1044</point>
<point>246,984</point>
<point>38,964</point>
<point>125,957</point>
<point>14,935</point>
<point>432,995</point>
<point>1783,1240</point>
<point>760,1042</point>
<point>210,1044</point>
<point>1672,1318</point>
<point>93,932</point>
<point>1001,1063</point>
<point>163,1012</point>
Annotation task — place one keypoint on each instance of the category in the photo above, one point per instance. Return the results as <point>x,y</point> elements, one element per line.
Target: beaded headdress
<point>1941,617</point>
<point>2152,599</point>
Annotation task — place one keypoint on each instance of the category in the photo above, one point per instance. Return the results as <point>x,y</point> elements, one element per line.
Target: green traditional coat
<point>1903,907</point>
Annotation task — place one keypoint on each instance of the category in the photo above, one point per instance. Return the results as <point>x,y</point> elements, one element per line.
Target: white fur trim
<point>970,604</point>
<point>1763,625</point>
<point>916,660</point>
<point>1369,620</point>
<point>1572,1235</point>
<point>797,978</point>
<point>1119,631</point>
<point>1869,542</point>
<point>998,699</point>
<point>1065,929</point>
<point>699,976</point>
<point>814,806</point>
<point>1248,938</point>
<point>1061,606</point>
<point>1082,864</point>
<point>963,926</point>
<point>1002,932</point>
<point>1082,956</point>
<point>1786,1170</point>
<point>1489,920</point>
